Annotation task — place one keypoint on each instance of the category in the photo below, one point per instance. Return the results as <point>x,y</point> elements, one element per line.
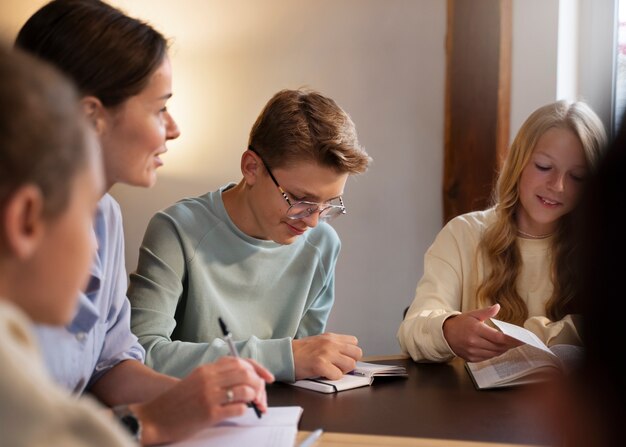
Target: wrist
<point>149,428</point>
<point>129,421</point>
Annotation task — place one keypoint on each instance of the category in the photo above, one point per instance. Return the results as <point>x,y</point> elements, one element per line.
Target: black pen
<point>234,353</point>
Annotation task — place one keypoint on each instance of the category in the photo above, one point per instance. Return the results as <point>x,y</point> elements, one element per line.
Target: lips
<point>296,231</point>
<point>157,157</point>
<point>548,202</point>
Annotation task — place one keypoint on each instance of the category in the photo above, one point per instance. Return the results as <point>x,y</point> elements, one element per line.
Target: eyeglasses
<point>302,208</point>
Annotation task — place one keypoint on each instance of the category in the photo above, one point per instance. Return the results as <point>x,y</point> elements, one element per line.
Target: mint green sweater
<point>195,265</point>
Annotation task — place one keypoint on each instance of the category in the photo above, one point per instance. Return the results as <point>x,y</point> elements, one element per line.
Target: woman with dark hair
<point>122,71</point>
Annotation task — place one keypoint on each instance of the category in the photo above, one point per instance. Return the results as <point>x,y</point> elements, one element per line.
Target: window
<point>619,103</point>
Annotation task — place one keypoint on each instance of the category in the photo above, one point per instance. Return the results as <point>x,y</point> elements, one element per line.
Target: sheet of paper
<point>256,436</point>
<point>521,334</point>
<point>277,428</point>
<point>275,416</point>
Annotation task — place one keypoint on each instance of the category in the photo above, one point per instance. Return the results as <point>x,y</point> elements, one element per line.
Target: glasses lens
<point>301,210</point>
<point>327,211</point>
<point>332,212</point>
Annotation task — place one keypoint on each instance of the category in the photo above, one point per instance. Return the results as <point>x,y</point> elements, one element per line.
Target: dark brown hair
<point>106,53</point>
<point>303,125</point>
<point>42,130</point>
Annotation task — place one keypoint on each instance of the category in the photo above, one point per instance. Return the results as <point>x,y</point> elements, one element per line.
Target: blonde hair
<point>498,244</point>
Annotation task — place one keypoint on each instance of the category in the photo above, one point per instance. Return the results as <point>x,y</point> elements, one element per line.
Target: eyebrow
<point>166,96</point>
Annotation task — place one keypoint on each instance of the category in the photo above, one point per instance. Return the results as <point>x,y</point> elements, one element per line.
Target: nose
<point>558,181</point>
<point>312,219</point>
<point>171,128</point>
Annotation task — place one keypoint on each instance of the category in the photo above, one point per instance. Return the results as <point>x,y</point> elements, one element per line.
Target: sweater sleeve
<point>316,315</point>
<point>437,297</point>
<point>314,320</point>
<point>157,288</point>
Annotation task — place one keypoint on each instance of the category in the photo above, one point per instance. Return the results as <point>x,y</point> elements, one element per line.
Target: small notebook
<point>363,375</point>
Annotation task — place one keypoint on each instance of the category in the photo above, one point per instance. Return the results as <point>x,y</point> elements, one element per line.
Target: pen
<point>310,440</point>
<point>234,353</point>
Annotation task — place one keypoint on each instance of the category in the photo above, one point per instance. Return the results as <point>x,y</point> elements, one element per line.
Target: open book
<point>528,363</point>
<point>363,375</point>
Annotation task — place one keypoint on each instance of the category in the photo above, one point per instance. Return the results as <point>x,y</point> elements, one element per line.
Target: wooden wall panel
<point>478,91</point>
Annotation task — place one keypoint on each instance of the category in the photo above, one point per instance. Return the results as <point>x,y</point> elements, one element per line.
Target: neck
<point>236,203</point>
<point>534,236</point>
<point>9,287</point>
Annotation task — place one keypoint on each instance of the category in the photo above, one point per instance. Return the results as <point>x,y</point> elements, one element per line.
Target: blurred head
<point>302,148</point>
<point>122,71</point>
<point>601,389</point>
<point>554,151</point>
<point>50,182</point>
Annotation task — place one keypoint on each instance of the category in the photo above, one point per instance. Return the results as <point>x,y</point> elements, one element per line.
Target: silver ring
<point>230,396</point>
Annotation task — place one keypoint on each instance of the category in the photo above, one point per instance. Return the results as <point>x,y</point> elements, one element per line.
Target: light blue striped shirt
<point>99,336</point>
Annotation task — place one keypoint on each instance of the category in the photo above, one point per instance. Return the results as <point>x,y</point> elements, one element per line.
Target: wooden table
<point>437,402</point>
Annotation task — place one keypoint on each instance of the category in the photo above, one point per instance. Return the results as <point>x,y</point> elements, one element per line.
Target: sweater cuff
<point>277,357</point>
<point>441,349</point>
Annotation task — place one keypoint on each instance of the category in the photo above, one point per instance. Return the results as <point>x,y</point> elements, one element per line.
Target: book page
<point>513,364</point>
<point>373,369</point>
<point>521,334</point>
<point>571,356</point>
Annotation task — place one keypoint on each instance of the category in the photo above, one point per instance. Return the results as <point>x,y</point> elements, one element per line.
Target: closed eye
<point>577,178</point>
<point>542,167</point>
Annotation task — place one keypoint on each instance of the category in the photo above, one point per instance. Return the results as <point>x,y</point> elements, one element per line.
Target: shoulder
<point>466,230</point>
<point>183,224</point>
<point>323,237</point>
<point>108,214</point>
<point>108,206</point>
<point>473,222</point>
<point>188,214</point>
<point>323,244</point>
<point>15,329</point>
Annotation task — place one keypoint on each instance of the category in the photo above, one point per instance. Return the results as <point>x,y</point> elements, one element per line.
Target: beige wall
<point>384,62</point>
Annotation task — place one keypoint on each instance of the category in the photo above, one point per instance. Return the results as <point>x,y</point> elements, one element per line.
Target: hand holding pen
<point>233,351</point>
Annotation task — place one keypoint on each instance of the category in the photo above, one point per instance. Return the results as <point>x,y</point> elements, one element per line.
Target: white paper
<point>277,428</point>
<point>521,334</point>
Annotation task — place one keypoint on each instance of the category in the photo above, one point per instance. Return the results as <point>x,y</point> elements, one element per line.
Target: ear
<point>23,221</point>
<point>251,167</point>
<point>95,112</point>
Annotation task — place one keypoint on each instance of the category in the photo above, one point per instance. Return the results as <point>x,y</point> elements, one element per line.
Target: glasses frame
<point>315,206</point>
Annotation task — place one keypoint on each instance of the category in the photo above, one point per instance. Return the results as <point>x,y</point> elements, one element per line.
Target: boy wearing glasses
<point>258,253</point>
